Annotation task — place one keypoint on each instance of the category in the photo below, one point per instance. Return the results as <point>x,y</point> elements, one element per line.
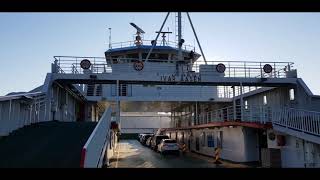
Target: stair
<point>99,90</point>
<point>123,89</point>
<point>90,89</point>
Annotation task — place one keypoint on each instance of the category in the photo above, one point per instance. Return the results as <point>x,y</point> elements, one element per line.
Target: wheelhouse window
<point>156,56</point>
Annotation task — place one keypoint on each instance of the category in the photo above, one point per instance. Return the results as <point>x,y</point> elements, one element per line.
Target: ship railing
<point>298,119</point>
<point>148,42</point>
<point>255,114</point>
<point>20,110</point>
<point>228,92</point>
<point>71,65</point>
<point>251,69</point>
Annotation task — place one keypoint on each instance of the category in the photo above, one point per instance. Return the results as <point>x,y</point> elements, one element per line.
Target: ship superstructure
<point>253,111</point>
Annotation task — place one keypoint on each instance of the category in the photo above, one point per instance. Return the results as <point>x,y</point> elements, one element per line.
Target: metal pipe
<point>234,102</point>
<point>241,101</point>
<point>194,32</point>
<point>154,44</point>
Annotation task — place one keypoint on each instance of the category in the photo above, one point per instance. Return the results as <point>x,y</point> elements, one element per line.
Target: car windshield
<point>170,141</point>
<point>159,138</point>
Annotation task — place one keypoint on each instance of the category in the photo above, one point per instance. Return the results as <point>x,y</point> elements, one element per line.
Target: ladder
<point>99,90</point>
<point>90,89</point>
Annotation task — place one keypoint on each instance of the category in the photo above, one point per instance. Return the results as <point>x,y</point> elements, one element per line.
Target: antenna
<point>139,30</point>
<point>109,38</point>
<point>164,35</point>
<point>138,40</point>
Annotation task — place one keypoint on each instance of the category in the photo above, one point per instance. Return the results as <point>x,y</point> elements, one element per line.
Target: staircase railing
<point>299,119</point>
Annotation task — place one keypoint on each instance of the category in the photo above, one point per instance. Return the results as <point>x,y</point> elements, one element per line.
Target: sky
<point>28,41</point>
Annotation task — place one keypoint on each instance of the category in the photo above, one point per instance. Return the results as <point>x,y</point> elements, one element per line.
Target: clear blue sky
<point>28,41</point>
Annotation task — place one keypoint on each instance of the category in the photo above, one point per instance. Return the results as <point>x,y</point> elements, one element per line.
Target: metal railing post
<point>261,71</point>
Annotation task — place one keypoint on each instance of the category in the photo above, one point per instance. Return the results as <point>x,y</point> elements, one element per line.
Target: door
<point>197,144</point>
<point>262,144</point>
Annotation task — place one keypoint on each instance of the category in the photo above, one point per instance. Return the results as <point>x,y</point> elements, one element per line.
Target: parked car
<point>148,142</point>
<point>168,146</point>
<point>145,137</point>
<point>139,137</point>
<point>156,141</point>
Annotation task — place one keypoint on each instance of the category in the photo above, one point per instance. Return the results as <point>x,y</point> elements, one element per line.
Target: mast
<point>109,38</point>
<point>179,37</point>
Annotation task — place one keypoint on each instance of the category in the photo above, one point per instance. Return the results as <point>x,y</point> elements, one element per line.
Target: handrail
<point>261,114</point>
<point>159,43</point>
<point>94,150</point>
<point>299,119</point>
<point>246,69</point>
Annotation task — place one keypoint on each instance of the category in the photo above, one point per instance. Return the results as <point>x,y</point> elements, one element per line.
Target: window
<point>291,94</point>
<point>246,104</point>
<point>264,100</point>
<point>210,140</point>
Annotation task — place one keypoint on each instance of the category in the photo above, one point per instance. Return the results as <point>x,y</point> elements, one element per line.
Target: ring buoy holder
<point>138,65</point>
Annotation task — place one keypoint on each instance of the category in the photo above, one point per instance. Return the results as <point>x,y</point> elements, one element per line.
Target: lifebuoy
<point>138,65</point>
<point>220,68</point>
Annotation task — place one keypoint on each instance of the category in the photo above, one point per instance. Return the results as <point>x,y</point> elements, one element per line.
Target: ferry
<point>252,111</point>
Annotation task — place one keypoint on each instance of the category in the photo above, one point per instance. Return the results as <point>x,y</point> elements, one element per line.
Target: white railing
<point>258,114</point>
<point>71,64</point>
<point>94,151</point>
<point>244,69</point>
<point>148,42</point>
<point>17,111</point>
<point>250,69</point>
<point>227,91</point>
<point>298,119</point>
